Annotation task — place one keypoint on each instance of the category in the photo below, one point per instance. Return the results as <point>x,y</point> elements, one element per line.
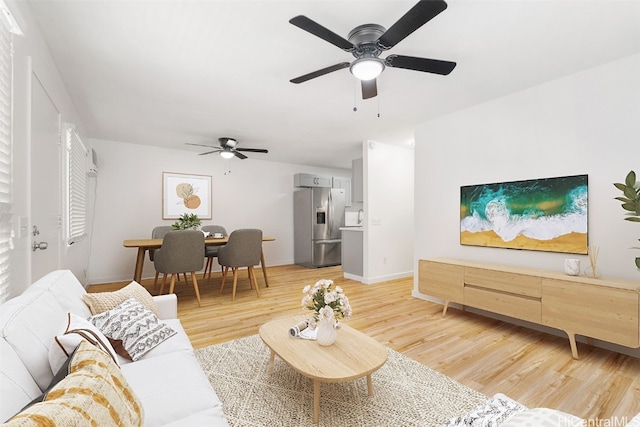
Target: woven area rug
<point>406,393</point>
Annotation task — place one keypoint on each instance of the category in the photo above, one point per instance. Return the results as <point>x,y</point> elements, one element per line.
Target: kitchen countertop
<point>351,228</point>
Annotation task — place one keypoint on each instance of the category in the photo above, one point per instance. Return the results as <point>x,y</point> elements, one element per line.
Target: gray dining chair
<point>242,250</point>
<point>158,233</point>
<point>181,252</point>
<point>211,252</point>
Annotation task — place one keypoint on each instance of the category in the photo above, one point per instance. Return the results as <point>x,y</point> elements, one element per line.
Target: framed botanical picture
<point>184,193</point>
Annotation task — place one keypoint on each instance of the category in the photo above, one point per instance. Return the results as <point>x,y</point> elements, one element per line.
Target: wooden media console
<point>601,308</point>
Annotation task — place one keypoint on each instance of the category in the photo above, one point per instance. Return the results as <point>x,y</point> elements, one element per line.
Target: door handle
<point>42,246</point>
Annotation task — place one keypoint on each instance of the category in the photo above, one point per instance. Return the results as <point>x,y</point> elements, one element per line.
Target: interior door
<point>46,230</point>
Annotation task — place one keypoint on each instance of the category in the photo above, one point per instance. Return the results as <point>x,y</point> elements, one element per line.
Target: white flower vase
<point>327,332</point>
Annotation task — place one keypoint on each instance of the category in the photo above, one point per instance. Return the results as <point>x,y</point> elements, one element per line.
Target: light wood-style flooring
<point>488,355</point>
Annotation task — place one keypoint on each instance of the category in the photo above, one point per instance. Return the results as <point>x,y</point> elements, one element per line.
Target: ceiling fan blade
<point>435,66</point>
<point>415,18</point>
<point>318,30</point>
<point>253,150</point>
<point>199,145</point>
<point>209,152</point>
<point>369,89</point>
<point>239,155</point>
<point>319,73</point>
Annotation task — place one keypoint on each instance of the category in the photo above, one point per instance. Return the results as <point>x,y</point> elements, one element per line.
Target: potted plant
<point>187,222</point>
<point>630,201</point>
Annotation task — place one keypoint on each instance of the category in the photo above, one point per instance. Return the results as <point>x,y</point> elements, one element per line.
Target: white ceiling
<point>170,72</point>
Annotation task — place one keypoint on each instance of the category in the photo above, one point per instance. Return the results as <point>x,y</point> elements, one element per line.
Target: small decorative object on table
<point>329,306</point>
<point>593,259</point>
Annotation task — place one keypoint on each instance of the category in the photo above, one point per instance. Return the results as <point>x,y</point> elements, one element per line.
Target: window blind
<point>76,212</point>
<point>6,78</point>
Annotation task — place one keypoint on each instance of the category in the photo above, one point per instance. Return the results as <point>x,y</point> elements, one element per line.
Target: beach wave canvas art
<point>547,214</point>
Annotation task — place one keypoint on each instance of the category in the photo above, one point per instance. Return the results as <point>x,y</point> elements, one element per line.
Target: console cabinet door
<point>602,312</point>
<point>441,280</point>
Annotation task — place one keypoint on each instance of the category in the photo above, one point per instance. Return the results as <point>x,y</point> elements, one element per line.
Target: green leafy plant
<point>187,222</point>
<point>630,201</point>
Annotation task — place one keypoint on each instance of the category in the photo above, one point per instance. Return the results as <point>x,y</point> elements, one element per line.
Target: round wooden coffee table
<point>353,355</point>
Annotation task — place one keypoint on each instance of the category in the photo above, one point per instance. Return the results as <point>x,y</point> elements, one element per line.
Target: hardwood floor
<point>490,356</point>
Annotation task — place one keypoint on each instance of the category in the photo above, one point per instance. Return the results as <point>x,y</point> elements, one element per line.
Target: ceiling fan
<point>366,43</point>
<point>228,149</point>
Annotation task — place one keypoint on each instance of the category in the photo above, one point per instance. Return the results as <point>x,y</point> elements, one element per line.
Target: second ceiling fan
<point>228,149</point>
<point>366,43</point>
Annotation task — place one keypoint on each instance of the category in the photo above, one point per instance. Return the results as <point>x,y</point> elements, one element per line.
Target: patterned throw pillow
<point>100,302</point>
<point>94,392</point>
<point>77,329</point>
<point>138,328</point>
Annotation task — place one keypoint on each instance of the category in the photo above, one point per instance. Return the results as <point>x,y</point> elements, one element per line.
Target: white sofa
<point>168,380</point>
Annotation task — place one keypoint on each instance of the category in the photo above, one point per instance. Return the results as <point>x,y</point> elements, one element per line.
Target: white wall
<point>388,206</point>
<point>587,123</point>
<point>31,56</point>
<point>254,194</point>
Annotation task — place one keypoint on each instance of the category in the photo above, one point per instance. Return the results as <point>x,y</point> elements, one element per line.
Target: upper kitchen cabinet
<point>357,181</point>
<point>345,184</point>
<point>310,180</point>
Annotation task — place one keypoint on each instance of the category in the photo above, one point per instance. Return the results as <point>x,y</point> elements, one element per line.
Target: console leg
<point>574,347</point>
<point>444,309</point>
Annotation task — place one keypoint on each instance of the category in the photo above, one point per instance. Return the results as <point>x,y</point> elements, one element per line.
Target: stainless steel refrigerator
<point>318,214</point>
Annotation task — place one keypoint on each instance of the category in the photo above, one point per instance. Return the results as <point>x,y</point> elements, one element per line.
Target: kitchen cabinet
<point>357,181</point>
<point>311,180</point>
<point>345,184</point>
<point>352,252</point>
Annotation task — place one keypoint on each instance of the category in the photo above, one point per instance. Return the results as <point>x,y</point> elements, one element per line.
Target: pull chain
<point>355,96</point>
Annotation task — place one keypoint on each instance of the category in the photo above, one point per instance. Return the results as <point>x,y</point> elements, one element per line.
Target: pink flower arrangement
<point>325,302</point>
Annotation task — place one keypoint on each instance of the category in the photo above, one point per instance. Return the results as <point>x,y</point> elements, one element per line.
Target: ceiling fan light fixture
<point>367,68</point>
<point>226,154</point>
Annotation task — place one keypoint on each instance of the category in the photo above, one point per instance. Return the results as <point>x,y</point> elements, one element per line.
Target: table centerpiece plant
<point>187,222</point>
<point>328,306</point>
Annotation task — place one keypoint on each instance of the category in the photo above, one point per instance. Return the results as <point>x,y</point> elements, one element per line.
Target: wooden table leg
<point>137,274</point>
<point>369,385</point>
<point>272,359</point>
<point>264,268</point>
<point>316,401</point>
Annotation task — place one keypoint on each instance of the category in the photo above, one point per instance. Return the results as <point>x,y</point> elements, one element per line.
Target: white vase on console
<point>572,266</point>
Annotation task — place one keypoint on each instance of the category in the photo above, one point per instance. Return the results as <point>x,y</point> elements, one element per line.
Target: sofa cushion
<point>17,388</point>
<point>492,412</point>
<point>66,289</point>
<point>100,302</point>
<point>211,417</point>
<point>29,323</point>
<point>93,393</point>
<point>138,328</point>
<point>171,388</point>
<point>76,330</point>
<point>543,417</point>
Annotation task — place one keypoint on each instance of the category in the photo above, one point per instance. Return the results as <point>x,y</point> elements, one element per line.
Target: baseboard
<point>378,279</point>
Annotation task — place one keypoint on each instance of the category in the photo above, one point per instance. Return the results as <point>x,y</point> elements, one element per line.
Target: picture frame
<point>547,214</point>
<point>186,193</point>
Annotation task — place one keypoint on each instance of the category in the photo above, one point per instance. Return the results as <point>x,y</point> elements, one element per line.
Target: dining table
<point>145,244</point>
